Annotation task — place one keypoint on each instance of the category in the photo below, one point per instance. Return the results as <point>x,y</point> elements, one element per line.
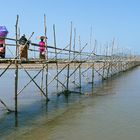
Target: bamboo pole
<point>80,65</point>
<point>109,62</point>
<point>54,33</point>
<point>42,77</point>
<point>93,74</point>
<point>5,69</point>
<point>42,74</point>
<point>68,68</point>
<point>112,53</point>
<point>74,54</point>
<point>45,33</point>
<point>9,110</point>
<point>92,57</point>
<point>16,68</point>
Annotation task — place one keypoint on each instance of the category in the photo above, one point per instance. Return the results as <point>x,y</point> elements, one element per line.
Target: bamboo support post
<point>45,33</point>
<point>42,77</point>
<point>16,67</point>
<point>109,62</point>
<point>68,68</point>
<point>80,80</point>
<point>74,54</point>
<point>54,33</point>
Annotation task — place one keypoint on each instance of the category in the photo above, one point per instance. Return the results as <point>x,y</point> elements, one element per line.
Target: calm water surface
<point>112,113</point>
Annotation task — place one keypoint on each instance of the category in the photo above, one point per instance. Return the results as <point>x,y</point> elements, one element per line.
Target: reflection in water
<point>16,119</point>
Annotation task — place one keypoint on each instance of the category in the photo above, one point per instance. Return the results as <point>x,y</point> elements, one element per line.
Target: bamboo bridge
<point>75,63</point>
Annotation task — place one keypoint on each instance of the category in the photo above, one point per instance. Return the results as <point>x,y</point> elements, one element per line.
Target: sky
<point>109,19</point>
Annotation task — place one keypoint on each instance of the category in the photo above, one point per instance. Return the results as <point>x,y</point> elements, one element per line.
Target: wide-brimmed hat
<point>42,37</point>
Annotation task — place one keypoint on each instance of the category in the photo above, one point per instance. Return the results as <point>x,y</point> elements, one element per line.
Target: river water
<point>110,111</point>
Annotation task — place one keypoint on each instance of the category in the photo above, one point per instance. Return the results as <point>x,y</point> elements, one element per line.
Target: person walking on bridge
<point>42,48</point>
<point>23,47</point>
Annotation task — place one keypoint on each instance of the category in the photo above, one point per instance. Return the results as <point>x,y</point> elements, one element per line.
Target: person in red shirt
<point>42,48</point>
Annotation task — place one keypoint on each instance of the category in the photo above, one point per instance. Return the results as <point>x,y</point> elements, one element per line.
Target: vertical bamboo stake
<point>18,36</point>
<point>104,63</point>
<point>112,57</point>
<point>92,57</point>
<point>115,61</point>
<point>107,54</point>
<point>110,60</point>
<point>42,74</point>
<point>42,77</point>
<point>70,41</point>
<point>45,32</point>
<point>93,72</point>
<point>68,71</point>
<point>92,75</point>
<point>55,55</point>
<point>74,53</point>
<point>119,62</point>
<point>80,62</point>
<point>122,63</point>
<point>16,66</point>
